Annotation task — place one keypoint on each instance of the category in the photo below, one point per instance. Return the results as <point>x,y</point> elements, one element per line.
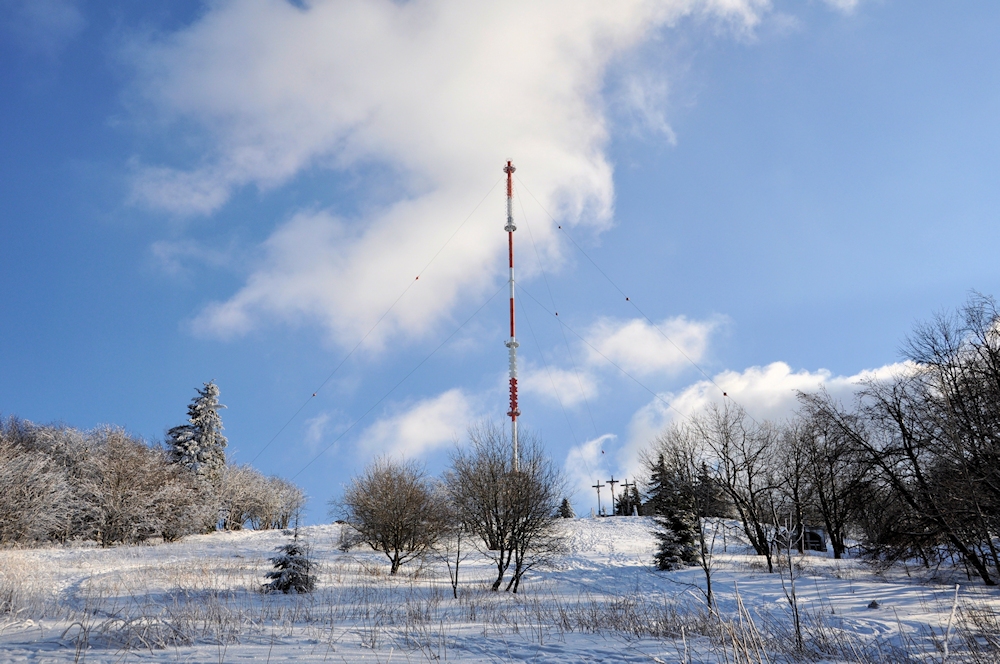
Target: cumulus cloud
<point>436,92</point>
<point>641,349</point>
<point>767,393</point>
<point>422,427</point>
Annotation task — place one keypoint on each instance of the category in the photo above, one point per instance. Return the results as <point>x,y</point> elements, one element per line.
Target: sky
<point>246,192</point>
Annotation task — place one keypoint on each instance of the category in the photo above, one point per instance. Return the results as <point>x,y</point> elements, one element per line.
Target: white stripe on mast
<point>512,342</point>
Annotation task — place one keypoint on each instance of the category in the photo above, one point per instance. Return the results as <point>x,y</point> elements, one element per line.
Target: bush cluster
<point>60,484</point>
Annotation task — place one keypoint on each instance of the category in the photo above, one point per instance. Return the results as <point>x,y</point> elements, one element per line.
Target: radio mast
<point>512,342</point>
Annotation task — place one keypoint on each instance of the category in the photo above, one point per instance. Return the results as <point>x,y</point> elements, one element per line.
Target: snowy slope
<point>601,601</point>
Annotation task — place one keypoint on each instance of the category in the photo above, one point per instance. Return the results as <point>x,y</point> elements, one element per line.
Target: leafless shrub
<point>35,498</point>
<point>511,512</point>
<point>348,538</point>
<point>277,504</point>
<point>249,498</point>
<point>57,483</point>
<point>138,494</point>
<point>393,507</point>
<point>239,495</point>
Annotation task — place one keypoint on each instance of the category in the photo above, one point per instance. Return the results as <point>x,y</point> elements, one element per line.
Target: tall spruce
<point>672,502</point>
<point>199,445</point>
<point>712,498</point>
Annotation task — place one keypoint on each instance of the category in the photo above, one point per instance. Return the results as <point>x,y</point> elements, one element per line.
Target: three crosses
<point>611,482</point>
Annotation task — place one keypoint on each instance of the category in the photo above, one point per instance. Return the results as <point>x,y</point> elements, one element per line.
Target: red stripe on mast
<point>512,342</point>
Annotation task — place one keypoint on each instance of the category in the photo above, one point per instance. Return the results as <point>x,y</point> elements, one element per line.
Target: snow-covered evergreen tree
<point>199,445</point>
<point>292,569</point>
<point>566,510</point>
<point>672,501</point>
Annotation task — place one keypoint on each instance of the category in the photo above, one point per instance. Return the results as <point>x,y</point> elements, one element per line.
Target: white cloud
<point>767,393</point>
<point>316,428</point>
<point>570,388</point>
<point>641,349</point>
<point>423,427</point>
<point>644,98</point>
<point>585,464</point>
<point>439,92</point>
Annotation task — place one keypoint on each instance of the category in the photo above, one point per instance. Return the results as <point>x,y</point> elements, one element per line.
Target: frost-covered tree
<point>248,498</point>
<point>199,445</point>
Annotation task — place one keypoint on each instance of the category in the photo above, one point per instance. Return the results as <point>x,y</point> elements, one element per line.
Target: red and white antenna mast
<point>512,342</point>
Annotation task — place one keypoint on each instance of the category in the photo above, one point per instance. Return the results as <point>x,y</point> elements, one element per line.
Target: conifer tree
<point>199,445</point>
<point>672,502</point>
<point>292,571</point>
<point>566,510</point>
<point>628,502</point>
<point>711,497</point>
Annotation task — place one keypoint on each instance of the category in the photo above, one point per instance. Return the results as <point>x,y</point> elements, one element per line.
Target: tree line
<point>909,469</point>
<point>61,484</point>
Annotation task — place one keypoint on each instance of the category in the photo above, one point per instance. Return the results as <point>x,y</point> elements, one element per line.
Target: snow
<point>198,600</point>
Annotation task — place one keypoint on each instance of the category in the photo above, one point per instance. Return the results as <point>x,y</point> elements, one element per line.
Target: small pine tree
<point>292,569</point>
<point>199,445</point>
<point>566,510</point>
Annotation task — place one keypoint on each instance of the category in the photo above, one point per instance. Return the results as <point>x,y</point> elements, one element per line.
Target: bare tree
<point>838,474</point>
<point>744,451</point>
<point>393,506</point>
<point>512,513</point>
<point>35,498</point>
<point>57,483</point>
<point>249,498</point>
<point>959,360</point>
<point>897,427</point>
<point>453,545</point>
<point>680,454</point>
<point>792,463</point>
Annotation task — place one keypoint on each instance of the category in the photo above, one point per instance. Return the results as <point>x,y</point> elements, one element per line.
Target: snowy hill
<point>198,600</point>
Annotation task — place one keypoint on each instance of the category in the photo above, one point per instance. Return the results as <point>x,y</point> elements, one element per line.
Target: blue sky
<point>238,191</point>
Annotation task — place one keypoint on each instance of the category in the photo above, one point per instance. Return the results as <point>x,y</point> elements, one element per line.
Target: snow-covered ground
<point>601,601</point>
